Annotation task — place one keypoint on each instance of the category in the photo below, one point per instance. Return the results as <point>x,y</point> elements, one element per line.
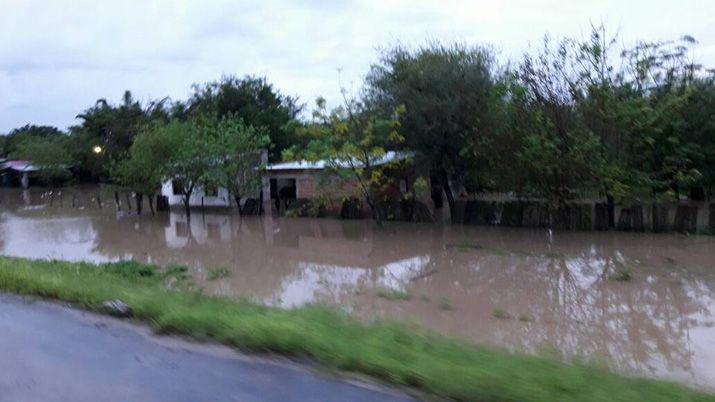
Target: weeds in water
<point>393,295</point>
<point>501,314</point>
<point>218,273</point>
<point>622,273</point>
<point>466,246</point>
<point>445,304</point>
<point>525,318</point>
<point>178,272</point>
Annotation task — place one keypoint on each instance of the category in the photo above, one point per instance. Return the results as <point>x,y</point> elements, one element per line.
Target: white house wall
<point>223,198</point>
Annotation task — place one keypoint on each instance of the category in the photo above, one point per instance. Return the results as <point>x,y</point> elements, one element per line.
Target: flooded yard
<point>639,303</point>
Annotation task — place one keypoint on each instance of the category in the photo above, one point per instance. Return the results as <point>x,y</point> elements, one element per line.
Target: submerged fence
<point>687,216</point>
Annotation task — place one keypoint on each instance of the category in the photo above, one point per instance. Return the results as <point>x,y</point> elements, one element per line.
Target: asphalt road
<point>53,353</point>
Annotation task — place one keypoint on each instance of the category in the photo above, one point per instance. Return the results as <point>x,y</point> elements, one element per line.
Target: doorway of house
<point>283,194</point>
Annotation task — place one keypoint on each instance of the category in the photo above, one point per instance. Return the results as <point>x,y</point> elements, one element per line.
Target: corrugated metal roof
<point>19,166</point>
<point>388,157</point>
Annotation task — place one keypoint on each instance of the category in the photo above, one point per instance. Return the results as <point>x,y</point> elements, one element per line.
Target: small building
<point>215,197</point>
<point>17,172</point>
<point>294,183</point>
<point>207,197</point>
<point>307,180</point>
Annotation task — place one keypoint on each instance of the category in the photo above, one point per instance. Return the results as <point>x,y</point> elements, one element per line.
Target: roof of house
<point>19,166</point>
<point>388,157</point>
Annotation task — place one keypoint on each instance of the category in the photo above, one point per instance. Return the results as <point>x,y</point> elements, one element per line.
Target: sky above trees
<point>58,57</point>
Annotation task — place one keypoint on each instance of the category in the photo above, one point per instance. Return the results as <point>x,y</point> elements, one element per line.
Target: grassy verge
<point>391,352</point>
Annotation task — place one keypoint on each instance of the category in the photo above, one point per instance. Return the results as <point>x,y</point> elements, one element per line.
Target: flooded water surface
<point>639,303</point>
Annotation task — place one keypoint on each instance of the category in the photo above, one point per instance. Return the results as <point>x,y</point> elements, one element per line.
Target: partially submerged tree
<point>240,148</point>
<point>559,155</point>
<point>144,168</point>
<point>202,152</point>
<point>354,142</point>
<point>447,93</point>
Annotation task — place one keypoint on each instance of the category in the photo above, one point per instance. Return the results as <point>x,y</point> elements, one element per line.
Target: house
<point>201,197</point>
<point>17,172</point>
<point>307,180</point>
<point>216,197</point>
<point>294,183</point>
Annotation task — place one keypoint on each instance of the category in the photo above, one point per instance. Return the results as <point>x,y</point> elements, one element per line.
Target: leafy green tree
<point>449,96</point>
<point>353,142</point>
<point>559,156</point>
<point>51,154</point>
<point>190,163</point>
<point>15,137</point>
<point>699,128</point>
<point>144,168</point>
<point>240,149</point>
<point>113,128</point>
<point>255,101</point>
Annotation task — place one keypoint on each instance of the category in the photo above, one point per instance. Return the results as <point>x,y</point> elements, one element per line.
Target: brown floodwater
<point>521,289</point>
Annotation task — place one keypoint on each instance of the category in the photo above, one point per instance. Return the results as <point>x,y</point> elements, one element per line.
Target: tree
<point>192,155</point>
<point>143,170</point>
<point>636,112</point>
<point>113,128</point>
<point>240,149</point>
<point>51,154</point>
<point>353,141</point>
<point>253,100</point>
<point>448,94</point>
<point>18,135</point>
<point>559,155</point>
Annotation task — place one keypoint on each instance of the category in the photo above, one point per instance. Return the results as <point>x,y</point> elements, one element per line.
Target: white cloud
<point>58,57</point>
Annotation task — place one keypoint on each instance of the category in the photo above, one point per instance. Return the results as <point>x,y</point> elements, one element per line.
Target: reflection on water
<point>557,298</point>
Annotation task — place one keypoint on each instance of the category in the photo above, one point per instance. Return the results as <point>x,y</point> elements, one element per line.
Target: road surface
<point>53,353</point>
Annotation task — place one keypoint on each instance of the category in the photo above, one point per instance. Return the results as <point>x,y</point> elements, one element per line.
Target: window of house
<point>177,188</point>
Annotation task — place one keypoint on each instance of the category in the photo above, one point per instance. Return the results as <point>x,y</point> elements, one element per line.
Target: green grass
<point>391,352</point>
<point>392,294</point>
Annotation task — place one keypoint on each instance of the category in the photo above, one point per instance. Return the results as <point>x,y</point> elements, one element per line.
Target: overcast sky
<point>58,57</point>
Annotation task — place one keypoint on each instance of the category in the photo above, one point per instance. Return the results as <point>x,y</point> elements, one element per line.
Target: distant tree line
<point>572,119</point>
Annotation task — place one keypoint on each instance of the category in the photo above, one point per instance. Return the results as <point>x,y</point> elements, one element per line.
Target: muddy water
<point>514,288</point>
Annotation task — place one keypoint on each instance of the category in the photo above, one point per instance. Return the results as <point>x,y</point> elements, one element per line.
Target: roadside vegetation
<point>394,353</point>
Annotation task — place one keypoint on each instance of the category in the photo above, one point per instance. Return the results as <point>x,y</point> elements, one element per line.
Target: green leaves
<point>352,140</point>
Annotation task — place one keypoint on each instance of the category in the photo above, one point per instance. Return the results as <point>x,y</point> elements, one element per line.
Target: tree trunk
<point>129,203</point>
<point>116,201</point>
<point>238,205</point>
<point>375,212</point>
<point>151,205</point>
<point>140,198</point>
<point>448,193</point>
<point>611,205</point>
<point>187,204</point>
<point>260,202</point>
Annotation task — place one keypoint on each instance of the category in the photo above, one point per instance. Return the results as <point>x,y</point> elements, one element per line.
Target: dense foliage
<point>573,119</point>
